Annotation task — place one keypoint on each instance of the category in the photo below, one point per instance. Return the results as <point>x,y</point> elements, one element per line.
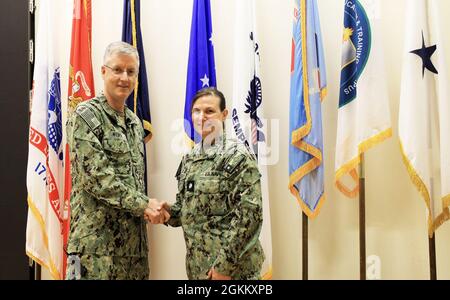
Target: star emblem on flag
<point>205,81</point>
<point>425,54</point>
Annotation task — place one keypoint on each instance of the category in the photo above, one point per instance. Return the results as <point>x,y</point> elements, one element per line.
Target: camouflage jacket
<point>219,206</point>
<point>108,195</point>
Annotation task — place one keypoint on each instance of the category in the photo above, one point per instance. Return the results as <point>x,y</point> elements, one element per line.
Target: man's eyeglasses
<point>119,71</point>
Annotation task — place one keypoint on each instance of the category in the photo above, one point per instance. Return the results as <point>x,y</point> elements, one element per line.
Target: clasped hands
<point>157,212</point>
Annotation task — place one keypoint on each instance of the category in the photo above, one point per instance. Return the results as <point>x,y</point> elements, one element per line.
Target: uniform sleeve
<point>95,172</point>
<point>247,222</point>
<point>175,209</point>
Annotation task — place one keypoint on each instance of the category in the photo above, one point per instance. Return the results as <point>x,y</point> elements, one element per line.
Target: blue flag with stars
<point>201,67</point>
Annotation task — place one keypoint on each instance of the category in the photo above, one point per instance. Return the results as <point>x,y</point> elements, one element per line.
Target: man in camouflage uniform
<point>108,235</point>
<point>219,202</point>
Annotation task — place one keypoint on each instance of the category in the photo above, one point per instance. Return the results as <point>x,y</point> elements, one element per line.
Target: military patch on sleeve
<point>88,116</point>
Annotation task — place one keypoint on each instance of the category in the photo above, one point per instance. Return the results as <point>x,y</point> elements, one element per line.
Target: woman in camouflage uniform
<point>218,204</point>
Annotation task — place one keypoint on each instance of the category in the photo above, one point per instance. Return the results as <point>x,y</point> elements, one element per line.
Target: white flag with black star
<point>424,117</point>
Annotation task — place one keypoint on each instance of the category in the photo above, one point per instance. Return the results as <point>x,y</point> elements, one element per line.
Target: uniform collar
<point>114,115</point>
<point>210,150</point>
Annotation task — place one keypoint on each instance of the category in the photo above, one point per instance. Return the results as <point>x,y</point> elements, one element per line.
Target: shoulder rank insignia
<point>233,162</point>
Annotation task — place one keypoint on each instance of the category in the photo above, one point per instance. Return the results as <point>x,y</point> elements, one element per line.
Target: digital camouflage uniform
<point>219,206</point>
<point>108,235</point>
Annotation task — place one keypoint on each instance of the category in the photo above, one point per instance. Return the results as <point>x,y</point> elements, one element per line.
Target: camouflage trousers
<point>95,267</point>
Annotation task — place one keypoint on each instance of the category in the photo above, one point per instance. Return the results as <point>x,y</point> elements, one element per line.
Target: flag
<point>424,117</point>
<point>81,85</point>
<point>201,67</point>
<point>308,89</point>
<point>247,112</point>
<point>363,114</point>
<point>81,80</point>
<point>138,101</point>
<point>44,233</point>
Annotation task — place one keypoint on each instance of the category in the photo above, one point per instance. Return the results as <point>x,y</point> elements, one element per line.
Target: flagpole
<point>33,267</point>
<point>362,221</point>
<point>304,246</point>
<point>432,254</point>
<point>37,271</point>
<point>432,241</point>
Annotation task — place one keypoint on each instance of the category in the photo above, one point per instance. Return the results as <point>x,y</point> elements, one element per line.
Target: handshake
<point>157,212</point>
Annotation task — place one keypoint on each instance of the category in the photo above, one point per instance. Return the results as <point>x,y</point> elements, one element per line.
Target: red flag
<point>81,84</point>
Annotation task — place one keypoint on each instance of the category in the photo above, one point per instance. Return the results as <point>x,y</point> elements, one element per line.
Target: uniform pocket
<point>115,142</point>
<point>213,195</point>
<point>208,185</point>
<point>117,149</point>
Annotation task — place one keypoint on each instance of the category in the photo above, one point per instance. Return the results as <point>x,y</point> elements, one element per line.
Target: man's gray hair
<point>120,47</point>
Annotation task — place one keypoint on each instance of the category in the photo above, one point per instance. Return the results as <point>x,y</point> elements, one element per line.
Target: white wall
<point>395,219</point>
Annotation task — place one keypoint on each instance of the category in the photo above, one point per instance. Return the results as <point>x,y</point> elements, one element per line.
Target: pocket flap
<point>116,142</point>
<point>208,185</point>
